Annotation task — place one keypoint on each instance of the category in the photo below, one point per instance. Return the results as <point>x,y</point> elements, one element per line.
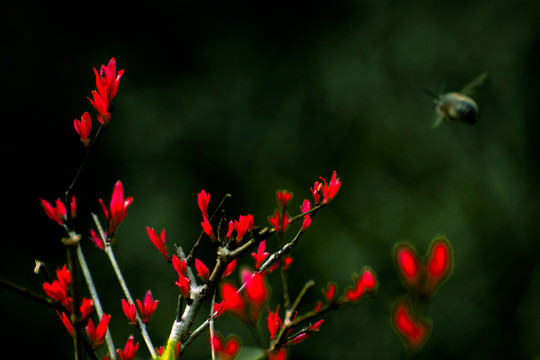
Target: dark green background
<point>247,98</point>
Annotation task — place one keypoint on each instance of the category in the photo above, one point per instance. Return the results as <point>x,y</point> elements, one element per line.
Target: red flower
<point>243,225</point>
<point>96,239</point>
<point>256,289</point>
<point>234,302</point>
<point>273,322</point>
<point>316,326</point>
<point>330,190</point>
<point>316,191</point>
<point>280,223</point>
<point>298,339</point>
<point>83,128</point>
<point>208,229</point>
<point>159,243</point>
<point>179,266</point>
<point>97,335</point>
<point>219,308</point>
<point>231,228</point>
<point>283,198</point>
<point>202,270</point>
<point>261,255</point>
<point>86,307</point>
<point>130,311</point>
<point>58,213</point>
<point>147,307</point>
<point>66,322</point>
<point>306,206</point>
<point>226,350</point>
<point>129,350</point>
<point>229,269</point>
<point>101,105</point>
<point>118,208</point>
<point>107,80</point>
<point>64,276</point>
<point>330,292</point>
<point>183,285</point>
<point>203,199</point>
<point>58,289</point>
<point>365,284</point>
<point>412,330</point>
<point>424,276</point>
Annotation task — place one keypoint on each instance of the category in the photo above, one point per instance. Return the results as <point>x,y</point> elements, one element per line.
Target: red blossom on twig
<point>179,265</point>
<point>279,223</point>
<point>273,322</point>
<point>202,270</point>
<point>96,335</point>
<point>208,229</point>
<point>229,269</point>
<point>130,311</point>
<point>83,128</point>
<point>243,225</point>
<point>107,80</point>
<point>203,199</point>
<point>183,285</point>
<point>330,190</point>
<point>129,350</point>
<point>66,322</point>
<point>58,289</point>
<point>118,209</point>
<point>159,242</point>
<point>147,307</point>
<point>58,213</point>
<point>97,240</point>
<point>86,307</point>
<point>306,206</point>
<point>283,197</point>
<point>261,254</point>
<point>102,107</point>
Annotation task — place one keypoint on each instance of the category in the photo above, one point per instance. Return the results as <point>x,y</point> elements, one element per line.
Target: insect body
<point>458,106</point>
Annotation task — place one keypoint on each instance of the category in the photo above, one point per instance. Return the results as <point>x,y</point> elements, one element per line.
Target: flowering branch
<point>110,254</point>
<point>95,298</point>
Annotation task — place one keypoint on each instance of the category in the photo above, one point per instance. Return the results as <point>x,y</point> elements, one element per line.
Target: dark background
<point>248,97</point>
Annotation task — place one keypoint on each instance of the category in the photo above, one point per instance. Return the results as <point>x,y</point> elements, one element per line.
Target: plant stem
<point>110,254</point>
<point>123,285</point>
<point>73,263</point>
<point>95,298</point>
<point>190,257</point>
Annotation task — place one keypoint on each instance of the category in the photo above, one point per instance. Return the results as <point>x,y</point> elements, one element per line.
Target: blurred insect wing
<point>470,89</point>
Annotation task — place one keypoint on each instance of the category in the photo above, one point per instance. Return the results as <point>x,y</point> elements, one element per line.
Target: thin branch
<point>95,298</point>
<point>30,294</point>
<point>190,257</point>
<point>123,285</point>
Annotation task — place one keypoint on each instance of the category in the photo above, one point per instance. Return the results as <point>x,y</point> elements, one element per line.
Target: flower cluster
<point>232,239</point>
<point>146,308</point>
<point>422,277</point>
<point>59,212</point>
<point>57,290</point>
<point>107,80</point>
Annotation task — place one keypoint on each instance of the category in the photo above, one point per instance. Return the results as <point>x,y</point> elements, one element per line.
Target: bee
<point>458,106</point>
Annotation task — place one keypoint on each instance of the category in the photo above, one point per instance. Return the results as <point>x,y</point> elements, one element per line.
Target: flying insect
<point>458,106</point>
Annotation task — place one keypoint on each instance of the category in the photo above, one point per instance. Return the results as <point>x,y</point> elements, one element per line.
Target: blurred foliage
<point>247,98</point>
